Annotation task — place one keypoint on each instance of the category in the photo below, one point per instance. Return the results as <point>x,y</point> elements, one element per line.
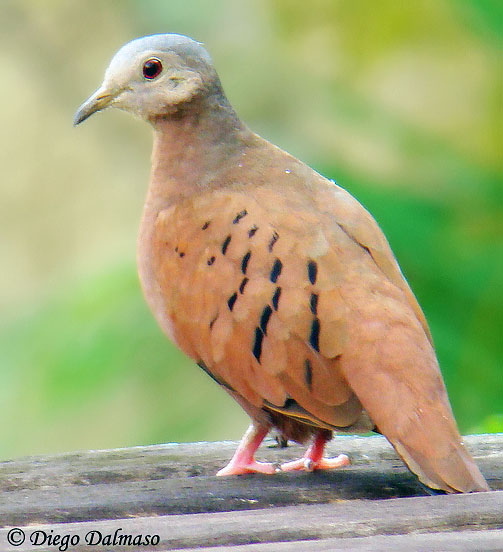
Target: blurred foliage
<point>98,370</point>
<point>401,103</point>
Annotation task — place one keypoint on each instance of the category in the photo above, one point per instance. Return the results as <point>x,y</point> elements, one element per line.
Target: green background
<point>400,102</point>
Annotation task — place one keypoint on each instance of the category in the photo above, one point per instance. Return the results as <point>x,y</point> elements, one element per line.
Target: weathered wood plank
<point>347,519</point>
<point>179,478</point>
<point>464,541</point>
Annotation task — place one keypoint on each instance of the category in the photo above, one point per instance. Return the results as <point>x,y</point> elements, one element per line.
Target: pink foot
<point>236,468</point>
<point>308,464</point>
<point>243,460</point>
<point>313,459</point>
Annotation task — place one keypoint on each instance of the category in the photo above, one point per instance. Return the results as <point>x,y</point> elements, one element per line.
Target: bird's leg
<point>243,460</point>
<point>313,459</point>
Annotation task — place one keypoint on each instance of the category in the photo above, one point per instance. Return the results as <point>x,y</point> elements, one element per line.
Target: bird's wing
<point>297,304</point>
<point>246,292</point>
<point>391,364</point>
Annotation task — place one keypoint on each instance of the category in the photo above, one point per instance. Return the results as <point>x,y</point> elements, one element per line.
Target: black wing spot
<point>211,260</point>
<point>252,230</point>
<point>239,216</point>
<point>312,271</point>
<point>264,318</point>
<point>276,271</point>
<point>213,321</point>
<point>282,441</point>
<point>232,300</point>
<point>308,374</point>
<point>275,298</point>
<point>181,254</point>
<point>176,249</point>
<point>257,344</point>
<point>243,285</point>
<point>203,367</point>
<point>274,239</point>
<point>314,338</point>
<point>205,225</point>
<point>364,247</point>
<point>314,303</point>
<point>226,243</point>
<point>244,262</point>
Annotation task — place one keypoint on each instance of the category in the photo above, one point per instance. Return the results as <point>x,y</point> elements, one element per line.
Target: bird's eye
<point>152,68</point>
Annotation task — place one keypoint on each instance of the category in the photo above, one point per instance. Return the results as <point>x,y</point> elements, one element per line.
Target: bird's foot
<point>314,460</point>
<point>251,466</point>
<point>307,463</point>
<point>243,460</point>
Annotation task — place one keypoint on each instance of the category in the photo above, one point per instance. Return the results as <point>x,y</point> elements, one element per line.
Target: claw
<point>308,464</point>
<point>313,459</point>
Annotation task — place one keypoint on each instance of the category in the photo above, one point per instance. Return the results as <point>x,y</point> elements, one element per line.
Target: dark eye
<point>152,68</point>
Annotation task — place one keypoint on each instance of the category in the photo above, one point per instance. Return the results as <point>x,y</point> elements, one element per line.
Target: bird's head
<point>154,76</point>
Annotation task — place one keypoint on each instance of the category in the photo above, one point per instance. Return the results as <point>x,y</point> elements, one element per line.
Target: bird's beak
<point>102,98</point>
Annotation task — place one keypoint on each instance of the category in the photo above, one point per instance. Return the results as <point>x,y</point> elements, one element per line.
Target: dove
<point>275,280</point>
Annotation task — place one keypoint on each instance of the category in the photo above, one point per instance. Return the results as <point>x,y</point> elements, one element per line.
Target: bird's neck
<point>192,147</point>
<point>191,151</point>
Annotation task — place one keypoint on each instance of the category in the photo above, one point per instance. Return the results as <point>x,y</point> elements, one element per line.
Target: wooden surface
<point>373,503</point>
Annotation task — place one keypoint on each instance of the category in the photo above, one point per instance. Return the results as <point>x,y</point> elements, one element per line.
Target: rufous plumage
<point>275,280</point>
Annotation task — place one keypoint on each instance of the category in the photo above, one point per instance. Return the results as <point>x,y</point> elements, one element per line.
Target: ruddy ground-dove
<point>275,280</point>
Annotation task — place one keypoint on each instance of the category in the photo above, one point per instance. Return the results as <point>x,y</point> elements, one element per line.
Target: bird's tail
<point>438,456</point>
<point>400,386</point>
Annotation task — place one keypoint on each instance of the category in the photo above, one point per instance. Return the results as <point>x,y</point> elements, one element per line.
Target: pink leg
<point>313,459</point>
<point>243,460</point>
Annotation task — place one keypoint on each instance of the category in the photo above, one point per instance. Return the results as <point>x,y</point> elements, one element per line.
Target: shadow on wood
<point>178,479</point>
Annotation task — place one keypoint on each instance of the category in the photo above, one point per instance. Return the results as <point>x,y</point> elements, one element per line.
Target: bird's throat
<point>192,148</point>
<point>192,153</point>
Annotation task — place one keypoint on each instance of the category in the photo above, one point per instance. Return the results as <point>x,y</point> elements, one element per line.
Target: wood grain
<point>375,504</point>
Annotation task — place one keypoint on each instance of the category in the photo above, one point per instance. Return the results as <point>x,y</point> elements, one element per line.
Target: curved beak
<point>101,99</point>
